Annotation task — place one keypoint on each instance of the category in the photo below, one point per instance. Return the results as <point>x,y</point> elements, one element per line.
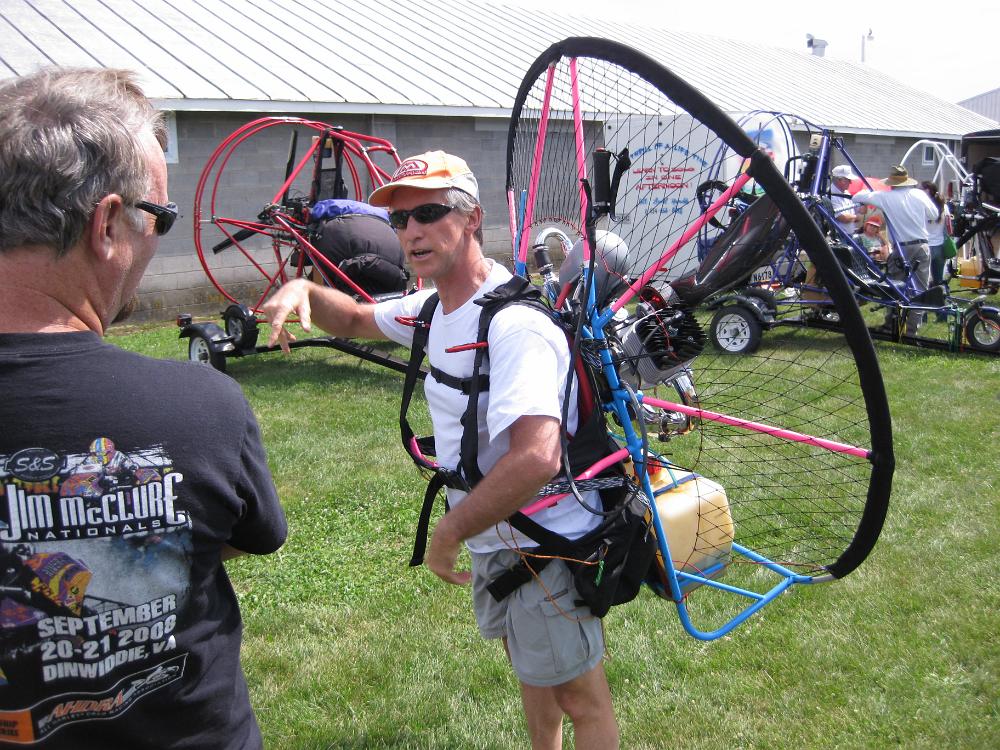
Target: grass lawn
<point>345,647</point>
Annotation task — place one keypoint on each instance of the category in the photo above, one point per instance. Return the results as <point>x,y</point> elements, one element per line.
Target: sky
<point>951,50</point>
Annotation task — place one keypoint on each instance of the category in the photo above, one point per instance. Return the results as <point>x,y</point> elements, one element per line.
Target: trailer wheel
<point>241,324</point>
<point>735,330</point>
<point>199,350</point>
<point>982,329</point>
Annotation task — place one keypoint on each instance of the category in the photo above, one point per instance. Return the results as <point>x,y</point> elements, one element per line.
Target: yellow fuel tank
<point>695,515</point>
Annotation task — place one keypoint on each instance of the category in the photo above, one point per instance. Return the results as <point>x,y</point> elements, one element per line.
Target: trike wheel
<point>982,329</point>
<point>199,350</point>
<point>735,330</point>
<point>241,324</point>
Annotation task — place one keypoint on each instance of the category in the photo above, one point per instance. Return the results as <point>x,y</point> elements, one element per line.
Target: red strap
<point>467,347</point>
<point>585,400</point>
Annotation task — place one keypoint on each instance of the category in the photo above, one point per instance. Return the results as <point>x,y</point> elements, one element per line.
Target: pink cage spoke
<point>581,161</point>
<point>590,473</point>
<point>747,424</point>
<point>536,167</point>
<point>689,233</point>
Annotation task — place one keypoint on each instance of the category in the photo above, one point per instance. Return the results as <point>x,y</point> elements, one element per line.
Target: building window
<point>928,157</point>
<point>171,152</point>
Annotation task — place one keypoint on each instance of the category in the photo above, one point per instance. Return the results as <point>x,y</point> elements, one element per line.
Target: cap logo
<point>410,168</point>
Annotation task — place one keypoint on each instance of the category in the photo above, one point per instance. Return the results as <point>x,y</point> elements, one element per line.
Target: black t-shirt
<point>121,478</point>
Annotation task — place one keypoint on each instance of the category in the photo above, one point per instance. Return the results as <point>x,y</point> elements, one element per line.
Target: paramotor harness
<point>609,562</point>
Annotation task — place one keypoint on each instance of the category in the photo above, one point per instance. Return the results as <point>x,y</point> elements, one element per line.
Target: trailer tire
<point>241,324</point>
<point>200,350</point>
<point>982,330</point>
<point>735,330</point>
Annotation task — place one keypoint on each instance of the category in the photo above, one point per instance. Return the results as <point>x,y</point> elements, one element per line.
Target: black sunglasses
<point>165,215</point>
<point>428,213</point>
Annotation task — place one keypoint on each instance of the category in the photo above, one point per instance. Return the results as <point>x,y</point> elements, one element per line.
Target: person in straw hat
<point>907,210</point>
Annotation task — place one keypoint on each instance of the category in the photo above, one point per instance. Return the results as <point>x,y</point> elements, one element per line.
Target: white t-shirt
<point>907,209</point>
<point>528,363</point>
<point>844,205</point>
<point>935,229</point>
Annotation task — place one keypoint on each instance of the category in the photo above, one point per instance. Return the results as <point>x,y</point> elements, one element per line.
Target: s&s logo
<point>34,464</point>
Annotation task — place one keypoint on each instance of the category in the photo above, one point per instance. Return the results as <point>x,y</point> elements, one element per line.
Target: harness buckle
<point>412,322</point>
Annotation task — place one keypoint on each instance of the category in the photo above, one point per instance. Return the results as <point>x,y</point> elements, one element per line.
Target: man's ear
<point>105,225</point>
<point>475,219</point>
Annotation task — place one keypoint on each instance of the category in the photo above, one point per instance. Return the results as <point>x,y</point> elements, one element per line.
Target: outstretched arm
<point>333,311</point>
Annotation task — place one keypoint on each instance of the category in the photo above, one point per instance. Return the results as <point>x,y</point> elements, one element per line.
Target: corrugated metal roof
<point>438,56</point>
<point>986,104</point>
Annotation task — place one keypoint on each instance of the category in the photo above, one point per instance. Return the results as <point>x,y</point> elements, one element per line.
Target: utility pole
<point>866,37</point>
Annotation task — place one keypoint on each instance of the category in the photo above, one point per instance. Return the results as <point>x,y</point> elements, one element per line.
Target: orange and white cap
<point>431,171</point>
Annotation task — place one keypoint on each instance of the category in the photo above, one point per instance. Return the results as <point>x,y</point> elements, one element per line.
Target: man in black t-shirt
<point>124,481</point>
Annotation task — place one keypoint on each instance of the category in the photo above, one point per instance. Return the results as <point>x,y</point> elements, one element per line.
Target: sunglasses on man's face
<point>428,213</point>
<point>165,215</point>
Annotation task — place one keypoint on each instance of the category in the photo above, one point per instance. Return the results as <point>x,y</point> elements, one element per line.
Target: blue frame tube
<point>520,267</point>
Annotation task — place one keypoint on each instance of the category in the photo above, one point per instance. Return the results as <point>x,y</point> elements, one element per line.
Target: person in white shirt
<point>937,229</point>
<point>554,644</point>
<point>845,210</point>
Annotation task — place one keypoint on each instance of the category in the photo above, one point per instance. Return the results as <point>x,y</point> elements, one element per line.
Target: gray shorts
<point>550,639</point>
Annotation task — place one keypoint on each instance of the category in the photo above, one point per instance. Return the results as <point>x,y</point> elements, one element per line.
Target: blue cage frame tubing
<point>903,290</point>
<point>878,273</point>
<point>783,266</point>
<point>639,452</point>
<point>520,266</point>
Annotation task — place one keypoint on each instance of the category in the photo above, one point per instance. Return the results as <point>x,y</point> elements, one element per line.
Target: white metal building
<point>987,104</point>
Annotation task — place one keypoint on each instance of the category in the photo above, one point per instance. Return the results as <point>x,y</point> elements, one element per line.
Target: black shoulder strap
<point>469,447</point>
<point>421,327</point>
<point>518,290</point>
<point>418,349</point>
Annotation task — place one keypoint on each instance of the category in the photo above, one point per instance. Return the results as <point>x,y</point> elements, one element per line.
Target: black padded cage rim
<point>810,237</point>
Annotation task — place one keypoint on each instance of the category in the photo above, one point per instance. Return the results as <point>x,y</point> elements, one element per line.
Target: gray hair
<point>465,204</point>
<point>68,138</point>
